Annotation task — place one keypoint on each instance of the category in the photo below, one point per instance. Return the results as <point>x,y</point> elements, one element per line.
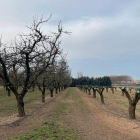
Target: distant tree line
<point>85,80</point>
<point>118,79</point>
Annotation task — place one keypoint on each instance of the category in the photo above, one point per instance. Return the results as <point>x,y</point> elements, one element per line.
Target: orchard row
<point>127,91</point>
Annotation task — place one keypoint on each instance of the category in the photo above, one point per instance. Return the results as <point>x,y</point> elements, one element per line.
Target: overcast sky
<point>105,37</point>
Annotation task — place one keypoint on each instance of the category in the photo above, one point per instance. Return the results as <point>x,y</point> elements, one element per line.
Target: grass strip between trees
<point>9,104</point>
<point>49,131</point>
<point>54,129</point>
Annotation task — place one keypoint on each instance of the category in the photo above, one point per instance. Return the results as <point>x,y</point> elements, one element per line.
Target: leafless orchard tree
<point>57,74</point>
<point>89,88</point>
<point>112,89</point>
<point>24,58</point>
<point>61,75</point>
<point>132,102</point>
<point>100,91</point>
<point>2,83</point>
<point>46,79</point>
<point>94,91</point>
<point>107,89</point>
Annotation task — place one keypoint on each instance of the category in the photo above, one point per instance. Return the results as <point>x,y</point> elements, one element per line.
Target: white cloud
<point>94,36</point>
<point>106,37</point>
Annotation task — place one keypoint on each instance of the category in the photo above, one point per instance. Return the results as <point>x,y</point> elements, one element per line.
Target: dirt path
<point>107,125</point>
<point>93,122</point>
<point>79,111</point>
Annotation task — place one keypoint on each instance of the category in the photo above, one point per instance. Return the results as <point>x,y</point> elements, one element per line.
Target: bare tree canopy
<point>25,60</point>
<point>79,74</point>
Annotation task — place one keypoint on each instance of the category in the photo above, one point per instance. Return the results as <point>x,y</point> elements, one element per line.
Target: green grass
<point>8,104</point>
<point>53,130</point>
<point>78,99</point>
<point>63,109</point>
<point>121,103</point>
<point>124,104</point>
<point>49,131</point>
<point>80,104</point>
<point>68,93</point>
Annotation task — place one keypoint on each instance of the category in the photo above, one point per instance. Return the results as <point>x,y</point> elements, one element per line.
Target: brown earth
<point>86,115</point>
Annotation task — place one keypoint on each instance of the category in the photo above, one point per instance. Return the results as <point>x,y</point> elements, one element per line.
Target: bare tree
<point>100,91</point>
<point>112,89</point>
<point>89,88</point>
<point>26,56</point>
<point>107,89</point>
<point>79,74</point>
<point>94,91</point>
<point>57,75</point>
<point>63,74</point>
<point>132,102</point>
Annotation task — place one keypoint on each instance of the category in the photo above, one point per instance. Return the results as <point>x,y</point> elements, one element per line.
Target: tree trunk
<point>132,109</point>
<point>106,89</point>
<point>33,89</point>
<point>59,89</point>
<point>65,87</point>
<point>112,90</point>
<point>89,92</point>
<point>20,105</point>
<point>122,93</point>
<point>51,93</point>
<point>43,97</point>
<point>38,88</point>
<point>9,94</point>
<point>94,93</point>
<point>102,98</point>
<point>56,90</point>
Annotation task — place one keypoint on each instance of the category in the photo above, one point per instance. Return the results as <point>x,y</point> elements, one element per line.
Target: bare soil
<point>85,114</point>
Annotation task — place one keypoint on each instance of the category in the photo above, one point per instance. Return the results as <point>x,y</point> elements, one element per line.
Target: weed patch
<point>63,109</point>
<point>49,131</point>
